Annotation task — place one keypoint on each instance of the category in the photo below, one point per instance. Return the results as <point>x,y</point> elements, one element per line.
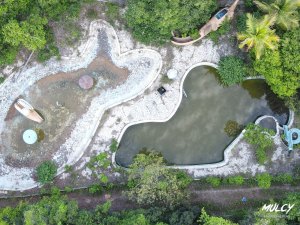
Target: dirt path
<point>223,197</point>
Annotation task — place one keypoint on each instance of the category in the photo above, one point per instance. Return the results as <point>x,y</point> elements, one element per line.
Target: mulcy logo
<point>277,208</point>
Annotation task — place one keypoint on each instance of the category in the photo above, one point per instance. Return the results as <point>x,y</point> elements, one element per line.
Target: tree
<point>259,35</point>
<point>46,172</point>
<point>231,70</point>
<point>151,182</point>
<point>205,219</point>
<point>264,180</point>
<point>260,138</point>
<point>282,68</point>
<point>284,11</point>
<point>268,218</point>
<point>29,33</point>
<point>55,209</point>
<point>152,21</point>
<point>294,198</point>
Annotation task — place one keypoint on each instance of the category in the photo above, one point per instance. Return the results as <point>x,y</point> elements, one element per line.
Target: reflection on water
<point>195,134</point>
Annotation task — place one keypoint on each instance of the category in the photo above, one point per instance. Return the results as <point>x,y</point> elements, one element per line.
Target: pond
<point>195,134</point>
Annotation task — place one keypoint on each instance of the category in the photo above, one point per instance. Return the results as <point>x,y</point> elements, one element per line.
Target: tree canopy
<point>152,21</point>
<point>23,23</point>
<point>284,11</point>
<point>151,182</point>
<point>282,68</point>
<point>259,35</point>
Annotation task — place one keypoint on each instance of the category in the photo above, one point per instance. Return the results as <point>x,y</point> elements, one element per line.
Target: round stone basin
<point>195,134</point>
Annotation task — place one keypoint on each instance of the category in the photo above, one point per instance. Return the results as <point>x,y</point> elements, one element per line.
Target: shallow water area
<point>195,134</point>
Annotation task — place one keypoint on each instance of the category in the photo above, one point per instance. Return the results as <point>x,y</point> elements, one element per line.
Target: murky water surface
<point>195,134</point>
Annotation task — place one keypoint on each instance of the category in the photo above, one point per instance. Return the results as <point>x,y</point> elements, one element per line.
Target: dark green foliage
<point>151,182</point>
<point>2,79</point>
<point>8,54</point>
<point>281,68</point>
<point>112,12</point>
<point>24,23</point>
<point>214,181</point>
<point>264,180</point>
<point>284,178</point>
<point>294,214</point>
<point>241,22</point>
<point>260,138</point>
<point>50,48</point>
<point>194,34</point>
<point>206,219</point>
<point>231,70</point>
<point>95,188</point>
<point>152,21</point>
<point>236,180</point>
<point>222,30</point>
<point>232,128</point>
<point>113,145</point>
<point>46,172</point>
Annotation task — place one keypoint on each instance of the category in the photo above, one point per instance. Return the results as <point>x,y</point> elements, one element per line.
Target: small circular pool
<point>195,134</point>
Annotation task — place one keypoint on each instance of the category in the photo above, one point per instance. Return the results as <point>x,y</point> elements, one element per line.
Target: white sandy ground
<point>148,106</point>
<point>144,66</point>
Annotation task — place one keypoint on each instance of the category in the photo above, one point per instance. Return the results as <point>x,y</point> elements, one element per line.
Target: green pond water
<point>195,134</point>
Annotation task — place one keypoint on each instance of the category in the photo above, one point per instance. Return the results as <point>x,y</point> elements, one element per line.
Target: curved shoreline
<point>20,179</point>
<point>227,150</point>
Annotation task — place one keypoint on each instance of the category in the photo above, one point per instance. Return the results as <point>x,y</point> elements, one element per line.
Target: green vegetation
<point>214,181</point>
<point>222,30</point>
<point>281,68</point>
<point>261,139</point>
<point>284,178</point>
<point>236,180</point>
<point>232,128</point>
<point>264,180</point>
<point>231,70</point>
<point>294,214</point>
<point>46,172</point>
<point>2,79</point>
<point>112,12</point>
<point>205,219</point>
<point>113,145</point>
<point>284,11</point>
<point>151,182</point>
<point>25,24</point>
<point>258,35</point>
<point>152,21</point>
<point>264,217</point>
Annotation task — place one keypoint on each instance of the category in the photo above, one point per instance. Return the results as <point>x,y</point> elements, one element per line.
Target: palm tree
<point>258,35</point>
<point>284,11</point>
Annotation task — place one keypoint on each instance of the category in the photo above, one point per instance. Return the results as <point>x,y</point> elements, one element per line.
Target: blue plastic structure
<point>291,136</point>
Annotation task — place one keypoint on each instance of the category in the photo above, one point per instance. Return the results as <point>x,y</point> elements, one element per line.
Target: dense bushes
<point>214,181</point>
<point>151,182</point>
<point>261,139</point>
<point>281,68</point>
<point>264,180</point>
<point>231,70</point>
<point>152,21</point>
<point>24,24</point>
<point>46,172</point>
<point>236,180</point>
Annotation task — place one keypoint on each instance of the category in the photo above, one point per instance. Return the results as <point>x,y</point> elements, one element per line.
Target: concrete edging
<point>227,149</point>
